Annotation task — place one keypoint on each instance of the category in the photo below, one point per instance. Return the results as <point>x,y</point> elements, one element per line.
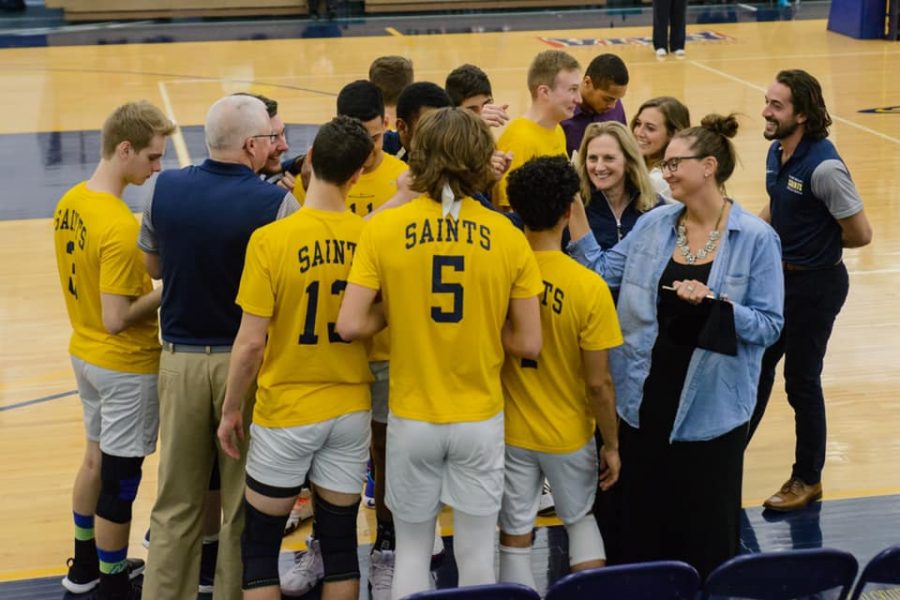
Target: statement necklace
<point>708,248</point>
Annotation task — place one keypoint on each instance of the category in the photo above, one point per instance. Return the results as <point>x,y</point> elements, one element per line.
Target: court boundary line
<point>38,400</point>
<point>181,151</point>
<point>834,117</point>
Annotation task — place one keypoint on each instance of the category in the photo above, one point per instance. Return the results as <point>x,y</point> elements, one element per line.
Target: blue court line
<point>38,400</point>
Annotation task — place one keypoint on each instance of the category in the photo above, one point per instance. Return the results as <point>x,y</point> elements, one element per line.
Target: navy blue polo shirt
<point>808,194</point>
<point>199,220</point>
<point>604,225</point>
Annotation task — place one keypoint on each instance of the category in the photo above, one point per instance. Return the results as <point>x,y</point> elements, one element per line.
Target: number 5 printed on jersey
<point>438,286</point>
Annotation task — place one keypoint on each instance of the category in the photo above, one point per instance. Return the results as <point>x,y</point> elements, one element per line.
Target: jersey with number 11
<point>446,285</point>
<point>295,274</point>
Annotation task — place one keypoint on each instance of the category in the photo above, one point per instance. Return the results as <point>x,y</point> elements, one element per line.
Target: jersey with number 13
<point>295,274</point>
<point>446,286</point>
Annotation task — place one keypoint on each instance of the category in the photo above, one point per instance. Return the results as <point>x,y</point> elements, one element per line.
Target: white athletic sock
<point>473,547</point>
<point>412,560</point>
<point>515,566</point>
<point>585,541</point>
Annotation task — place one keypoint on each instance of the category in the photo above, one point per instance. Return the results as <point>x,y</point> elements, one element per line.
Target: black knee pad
<point>336,531</point>
<point>260,544</point>
<point>120,477</point>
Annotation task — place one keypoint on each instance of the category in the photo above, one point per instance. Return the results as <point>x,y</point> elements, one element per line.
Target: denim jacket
<point>719,391</point>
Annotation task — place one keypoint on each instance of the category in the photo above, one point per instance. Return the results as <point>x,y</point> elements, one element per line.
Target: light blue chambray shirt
<point>719,391</point>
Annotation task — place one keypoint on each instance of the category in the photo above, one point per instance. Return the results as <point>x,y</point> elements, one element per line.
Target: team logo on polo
<point>795,185</point>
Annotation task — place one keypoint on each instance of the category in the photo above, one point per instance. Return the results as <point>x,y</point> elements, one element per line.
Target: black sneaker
<point>132,592</point>
<point>82,578</point>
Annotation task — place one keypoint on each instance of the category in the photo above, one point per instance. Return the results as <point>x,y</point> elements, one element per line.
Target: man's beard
<point>782,130</point>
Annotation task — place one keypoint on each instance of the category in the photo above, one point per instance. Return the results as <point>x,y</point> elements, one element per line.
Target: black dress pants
<point>669,22</point>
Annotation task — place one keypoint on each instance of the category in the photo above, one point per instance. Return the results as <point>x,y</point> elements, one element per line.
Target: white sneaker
<point>661,53</point>
<point>546,507</point>
<point>306,572</point>
<point>381,574</point>
<point>679,54</point>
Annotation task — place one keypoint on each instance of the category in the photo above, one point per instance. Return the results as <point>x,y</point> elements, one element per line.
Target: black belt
<point>170,347</point>
<point>795,267</point>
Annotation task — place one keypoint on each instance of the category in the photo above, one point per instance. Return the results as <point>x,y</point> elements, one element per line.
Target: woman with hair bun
<point>686,273</point>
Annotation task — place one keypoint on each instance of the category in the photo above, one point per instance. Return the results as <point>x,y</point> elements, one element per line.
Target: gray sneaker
<point>306,573</point>
<point>381,574</point>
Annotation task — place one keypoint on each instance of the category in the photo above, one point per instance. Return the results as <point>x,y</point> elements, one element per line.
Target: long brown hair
<point>676,117</point>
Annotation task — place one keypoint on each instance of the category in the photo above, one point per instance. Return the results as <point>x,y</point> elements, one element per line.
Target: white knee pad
<point>515,566</point>
<point>412,558</point>
<point>585,541</point>
<point>473,547</point>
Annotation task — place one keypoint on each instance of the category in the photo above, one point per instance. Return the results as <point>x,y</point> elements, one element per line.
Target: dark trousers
<point>669,14</point>
<point>681,500</point>
<point>812,301</point>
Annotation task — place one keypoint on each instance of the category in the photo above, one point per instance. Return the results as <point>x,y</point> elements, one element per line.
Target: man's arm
<point>246,358</point>
<point>121,312</point>
<point>521,333</point>
<point>602,402</point>
<point>856,231</point>
<point>360,316</point>
<point>153,265</point>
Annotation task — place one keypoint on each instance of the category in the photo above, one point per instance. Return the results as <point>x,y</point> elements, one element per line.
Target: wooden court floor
<point>74,88</point>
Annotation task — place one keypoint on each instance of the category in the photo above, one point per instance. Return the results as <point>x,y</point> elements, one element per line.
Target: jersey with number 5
<point>295,274</point>
<point>446,286</point>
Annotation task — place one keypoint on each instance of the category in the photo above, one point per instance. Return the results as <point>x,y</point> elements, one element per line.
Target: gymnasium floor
<point>58,84</point>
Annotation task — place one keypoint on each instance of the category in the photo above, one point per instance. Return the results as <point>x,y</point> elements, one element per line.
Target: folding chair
<point>790,575</point>
<point>883,569</point>
<point>663,580</point>
<point>497,591</point>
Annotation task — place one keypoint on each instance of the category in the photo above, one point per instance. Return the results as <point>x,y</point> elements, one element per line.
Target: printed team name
<point>70,220</point>
<point>430,231</point>
<point>553,297</point>
<point>325,252</point>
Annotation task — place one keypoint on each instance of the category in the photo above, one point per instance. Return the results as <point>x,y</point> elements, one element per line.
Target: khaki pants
<point>191,392</point>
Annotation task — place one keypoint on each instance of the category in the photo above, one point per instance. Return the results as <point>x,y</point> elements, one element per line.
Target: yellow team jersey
<point>446,286</point>
<point>295,274</point>
<point>546,400</point>
<point>368,194</point>
<point>526,139</point>
<point>375,188</point>
<point>299,191</point>
<point>95,236</point>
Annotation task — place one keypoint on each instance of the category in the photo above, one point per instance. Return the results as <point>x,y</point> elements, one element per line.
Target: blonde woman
<point>656,121</point>
<point>615,185</point>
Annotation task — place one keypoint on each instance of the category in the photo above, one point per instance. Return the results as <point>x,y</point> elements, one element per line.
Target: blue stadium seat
<point>498,591</point>
<point>797,574</point>
<point>883,569</point>
<point>664,580</point>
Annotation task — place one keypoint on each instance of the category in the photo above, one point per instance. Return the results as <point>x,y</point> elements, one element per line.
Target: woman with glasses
<point>615,185</point>
<point>685,391</point>
<point>656,121</point>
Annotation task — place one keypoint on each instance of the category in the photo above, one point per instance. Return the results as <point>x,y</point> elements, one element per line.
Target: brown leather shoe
<point>794,494</point>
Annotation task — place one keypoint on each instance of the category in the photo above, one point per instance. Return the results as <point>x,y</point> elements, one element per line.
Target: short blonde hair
<point>546,66</point>
<point>136,122</point>
<point>635,170</point>
<point>451,146</point>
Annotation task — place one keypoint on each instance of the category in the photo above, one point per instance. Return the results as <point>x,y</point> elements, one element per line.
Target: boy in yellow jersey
<point>554,80</point>
<point>313,419</point>
<point>459,285</point>
<point>114,346</point>
<point>553,403</point>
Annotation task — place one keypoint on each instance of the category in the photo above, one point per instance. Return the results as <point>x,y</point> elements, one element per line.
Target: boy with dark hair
<point>554,402</point>
<point>313,420</point>
<point>602,89</point>
<point>469,88</point>
<point>415,100</point>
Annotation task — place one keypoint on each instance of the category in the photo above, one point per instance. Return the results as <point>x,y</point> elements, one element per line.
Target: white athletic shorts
<point>121,410</point>
<point>457,464</point>
<point>380,371</point>
<point>334,453</point>
<point>572,477</point>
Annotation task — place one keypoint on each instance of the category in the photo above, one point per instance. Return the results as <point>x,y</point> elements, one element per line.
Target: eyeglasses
<point>671,165</point>
<point>272,136</point>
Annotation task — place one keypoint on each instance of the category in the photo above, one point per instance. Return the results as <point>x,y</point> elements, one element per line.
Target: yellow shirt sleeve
<point>121,270</point>
<point>256,294</point>
<point>528,283</point>
<point>364,270</point>
<point>601,328</point>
